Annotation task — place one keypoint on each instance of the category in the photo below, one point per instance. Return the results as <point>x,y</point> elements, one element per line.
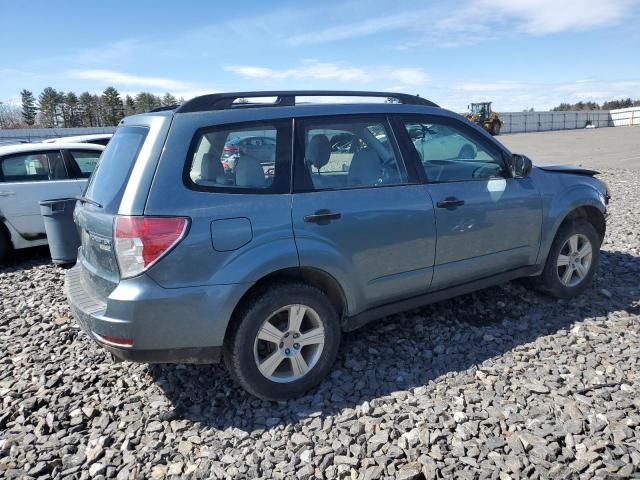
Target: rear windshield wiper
<point>88,200</point>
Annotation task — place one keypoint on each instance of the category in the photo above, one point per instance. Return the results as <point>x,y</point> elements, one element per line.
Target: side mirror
<point>521,166</point>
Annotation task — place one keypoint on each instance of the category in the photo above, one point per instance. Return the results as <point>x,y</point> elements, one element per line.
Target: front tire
<point>283,342</point>
<point>572,260</point>
<point>495,128</point>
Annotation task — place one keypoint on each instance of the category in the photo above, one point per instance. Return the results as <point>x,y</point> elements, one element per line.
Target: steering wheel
<point>484,171</point>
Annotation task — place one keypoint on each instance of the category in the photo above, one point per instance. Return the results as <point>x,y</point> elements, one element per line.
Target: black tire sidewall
<point>550,282</point>
<point>239,354</point>
<point>5,245</point>
<point>495,128</point>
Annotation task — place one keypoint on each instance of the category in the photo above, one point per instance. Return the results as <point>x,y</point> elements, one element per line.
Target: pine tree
<point>146,102</point>
<point>72,110</point>
<point>168,100</point>
<point>49,103</point>
<point>112,105</point>
<point>85,110</point>
<point>129,106</point>
<point>29,109</point>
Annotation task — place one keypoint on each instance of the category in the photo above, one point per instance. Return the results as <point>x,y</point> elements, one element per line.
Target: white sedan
<point>33,172</point>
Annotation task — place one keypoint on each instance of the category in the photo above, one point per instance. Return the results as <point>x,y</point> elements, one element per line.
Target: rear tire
<point>572,260</point>
<point>283,342</point>
<point>495,128</point>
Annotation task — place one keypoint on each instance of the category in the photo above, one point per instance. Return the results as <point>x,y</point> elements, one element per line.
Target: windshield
<point>110,178</point>
<point>478,107</point>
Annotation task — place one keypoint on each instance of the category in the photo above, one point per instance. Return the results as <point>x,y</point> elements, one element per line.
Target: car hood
<point>568,169</point>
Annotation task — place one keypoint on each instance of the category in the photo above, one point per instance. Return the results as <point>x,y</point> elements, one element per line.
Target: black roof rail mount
<point>286,98</point>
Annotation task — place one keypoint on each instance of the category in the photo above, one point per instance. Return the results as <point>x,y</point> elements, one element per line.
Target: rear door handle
<point>322,215</point>
<point>7,193</point>
<point>450,202</point>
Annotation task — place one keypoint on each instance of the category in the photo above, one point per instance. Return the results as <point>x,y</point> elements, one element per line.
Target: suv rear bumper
<point>183,325</point>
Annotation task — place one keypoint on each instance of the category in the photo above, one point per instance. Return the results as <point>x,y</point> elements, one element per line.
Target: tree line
<point>58,109</point>
<point>610,105</point>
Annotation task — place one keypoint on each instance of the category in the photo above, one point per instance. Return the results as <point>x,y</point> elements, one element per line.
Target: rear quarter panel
<point>195,261</point>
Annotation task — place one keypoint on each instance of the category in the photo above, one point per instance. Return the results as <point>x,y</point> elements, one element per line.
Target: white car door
<point>27,178</point>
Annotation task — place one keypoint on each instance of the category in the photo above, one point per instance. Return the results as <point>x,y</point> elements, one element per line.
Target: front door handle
<point>450,202</point>
<point>322,215</point>
<point>7,193</point>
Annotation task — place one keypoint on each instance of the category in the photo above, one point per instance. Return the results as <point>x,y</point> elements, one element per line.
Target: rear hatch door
<point>104,198</point>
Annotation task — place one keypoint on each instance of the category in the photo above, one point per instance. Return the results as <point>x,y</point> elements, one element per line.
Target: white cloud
<point>540,17</point>
<point>112,77</point>
<point>357,28</point>
<point>515,96</point>
<point>472,21</point>
<point>327,71</point>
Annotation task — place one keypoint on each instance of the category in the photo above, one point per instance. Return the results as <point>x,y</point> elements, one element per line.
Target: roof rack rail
<point>162,109</point>
<point>286,98</point>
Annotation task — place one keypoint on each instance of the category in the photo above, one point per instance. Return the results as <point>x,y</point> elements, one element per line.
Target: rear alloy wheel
<point>283,342</point>
<point>572,260</point>
<point>289,343</point>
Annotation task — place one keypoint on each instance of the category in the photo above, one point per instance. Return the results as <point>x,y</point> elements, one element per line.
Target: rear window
<point>110,178</point>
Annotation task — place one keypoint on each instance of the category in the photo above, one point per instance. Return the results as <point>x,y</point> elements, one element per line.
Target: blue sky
<point>518,53</point>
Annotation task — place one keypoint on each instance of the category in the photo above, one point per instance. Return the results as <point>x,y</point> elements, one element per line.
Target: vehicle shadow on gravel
<point>26,258</point>
<point>406,351</point>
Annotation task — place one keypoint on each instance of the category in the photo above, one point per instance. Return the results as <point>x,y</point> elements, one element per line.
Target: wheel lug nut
<point>287,351</point>
<point>296,346</point>
<point>281,344</point>
<point>286,335</point>
<point>295,335</point>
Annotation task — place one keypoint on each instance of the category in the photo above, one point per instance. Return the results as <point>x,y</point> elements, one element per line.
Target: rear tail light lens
<point>142,241</point>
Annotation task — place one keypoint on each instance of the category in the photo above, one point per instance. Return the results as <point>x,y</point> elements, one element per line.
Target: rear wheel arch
<point>308,275</point>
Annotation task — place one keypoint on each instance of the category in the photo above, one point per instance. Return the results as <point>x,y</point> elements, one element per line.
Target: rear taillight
<point>142,241</point>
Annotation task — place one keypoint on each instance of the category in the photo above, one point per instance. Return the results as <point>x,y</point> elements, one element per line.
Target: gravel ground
<point>503,383</point>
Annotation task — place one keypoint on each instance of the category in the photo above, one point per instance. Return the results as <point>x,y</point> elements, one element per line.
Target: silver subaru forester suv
<point>328,216</point>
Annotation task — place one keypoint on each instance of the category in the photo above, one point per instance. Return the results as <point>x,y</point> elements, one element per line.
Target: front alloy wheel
<point>574,260</point>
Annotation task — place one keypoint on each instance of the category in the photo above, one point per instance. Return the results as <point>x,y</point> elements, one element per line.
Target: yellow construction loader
<point>481,114</point>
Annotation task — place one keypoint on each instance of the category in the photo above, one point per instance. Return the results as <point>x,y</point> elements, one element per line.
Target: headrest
<point>211,168</point>
<point>249,173</point>
<point>319,151</point>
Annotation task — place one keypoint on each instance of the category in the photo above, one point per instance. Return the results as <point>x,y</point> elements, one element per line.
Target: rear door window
<point>341,153</point>
<point>242,158</point>
<point>86,161</point>
<point>34,167</point>
<point>112,172</point>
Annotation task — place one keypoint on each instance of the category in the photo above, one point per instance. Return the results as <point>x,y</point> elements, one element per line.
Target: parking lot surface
<point>599,148</point>
<point>503,383</point>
